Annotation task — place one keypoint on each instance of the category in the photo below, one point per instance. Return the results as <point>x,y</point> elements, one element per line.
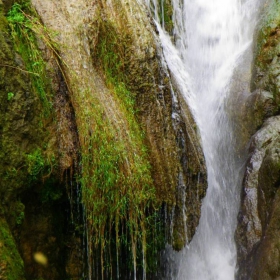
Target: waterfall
<point>209,40</point>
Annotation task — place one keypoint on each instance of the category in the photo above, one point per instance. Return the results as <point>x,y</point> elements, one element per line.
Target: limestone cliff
<point>258,220</point>
<point>86,104</point>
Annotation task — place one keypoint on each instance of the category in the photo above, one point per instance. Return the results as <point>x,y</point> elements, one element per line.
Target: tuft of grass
<point>117,189</point>
<point>35,163</point>
<point>117,185</point>
<point>166,12</point>
<point>26,29</point>
<point>39,165</point>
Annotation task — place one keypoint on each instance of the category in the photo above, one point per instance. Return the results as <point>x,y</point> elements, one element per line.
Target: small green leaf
<point>10,96</point>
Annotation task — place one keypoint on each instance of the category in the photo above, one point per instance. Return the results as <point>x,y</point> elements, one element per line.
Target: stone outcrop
<point>258,217</point>
<point>257,233</point>
<point>31,171</point>
<point>174,151</point>
<point>39,155</point>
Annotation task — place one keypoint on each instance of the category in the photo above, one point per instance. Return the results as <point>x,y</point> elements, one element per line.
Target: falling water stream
<point>211,38</point>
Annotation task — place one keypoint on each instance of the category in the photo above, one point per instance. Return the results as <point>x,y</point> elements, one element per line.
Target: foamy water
<point>211,37</point>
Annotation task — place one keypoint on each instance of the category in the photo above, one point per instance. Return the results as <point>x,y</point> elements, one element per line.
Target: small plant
<point>35,163</point>
<point>10,96</point>
<point>20,218</point>
<point>165,15</point>
<point>25,29</point>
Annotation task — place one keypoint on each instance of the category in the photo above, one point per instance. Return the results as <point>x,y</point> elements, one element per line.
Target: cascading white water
<point>210,38</point>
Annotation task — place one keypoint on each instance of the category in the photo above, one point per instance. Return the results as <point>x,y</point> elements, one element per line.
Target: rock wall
<point>258,221</point>
<point>41,153</point>
<point>33,182</point>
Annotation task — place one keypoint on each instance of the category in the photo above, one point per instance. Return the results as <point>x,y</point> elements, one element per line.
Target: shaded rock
<point>47,228</point>
<point>174,150</point>
<point>29,163</point>
<point>258,224</point>
<point>11,264</point>
<point>258,231</point>
<point>253,109</point>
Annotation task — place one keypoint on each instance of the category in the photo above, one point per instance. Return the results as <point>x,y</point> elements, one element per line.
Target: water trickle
<point>211,37</point>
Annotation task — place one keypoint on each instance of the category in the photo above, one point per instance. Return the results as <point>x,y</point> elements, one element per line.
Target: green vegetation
<point>35,163</point>
<point>27,33</point>
<point>166,13</point>
<point>11,263</point>
<point>51,191</point>
<point>10,96</point>
<point>268,35</point>
<point>117,186</point>
<point>20,218</point>
<point>267,53</point>
<point>25,30</point>
<point>22,108</point>
<point>39,165</point>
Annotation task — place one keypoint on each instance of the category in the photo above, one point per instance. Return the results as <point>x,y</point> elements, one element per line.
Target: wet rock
<point>173,145</point>
<point>259,218</point>
<point>23,132</point>
<point>174,152</point>
<point>258,221</point>
<point>266,65</point>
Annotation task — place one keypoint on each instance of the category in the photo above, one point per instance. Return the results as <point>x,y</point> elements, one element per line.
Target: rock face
<point>257,233</point>
<point>258,227</point>
<point>17,136</point>
<point>31,188</point>
<point>177,164</point>
<point>40,154</point>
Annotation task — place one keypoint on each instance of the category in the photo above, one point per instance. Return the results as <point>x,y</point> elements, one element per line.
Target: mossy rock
<point>11,264</point>
<point>258,228</point>
<point>267,70</point>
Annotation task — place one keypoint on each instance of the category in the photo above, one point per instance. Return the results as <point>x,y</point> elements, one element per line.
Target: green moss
<point>166,13</point>
<point>15,112</point>
<point>17,212</point>
<point>25,29</point>
<point>268,51</point>
<point>24,83</point>
<point>268,35</point>
<point>23,160</point>
<point>117,186</point>
<point>10,260</point>
<point>35,163</point>
<point>110,52</point>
